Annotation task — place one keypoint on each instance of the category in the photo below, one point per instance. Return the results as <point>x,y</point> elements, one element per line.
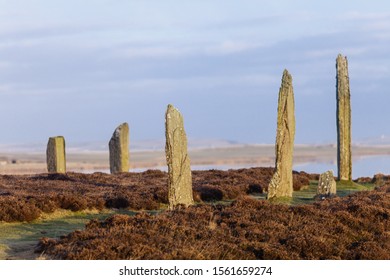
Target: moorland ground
<point>231,218</point>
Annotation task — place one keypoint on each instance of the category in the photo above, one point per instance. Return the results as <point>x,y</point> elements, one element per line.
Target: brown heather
<point>353,227</point>
<point>25,198</point>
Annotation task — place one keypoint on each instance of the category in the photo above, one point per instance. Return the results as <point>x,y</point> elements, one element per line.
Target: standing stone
<point>178,161</point>
<point>344,157</point>
<point>326,185</point>
<point>119,149</point>
<point>281,184</point>
<point>55,155</point>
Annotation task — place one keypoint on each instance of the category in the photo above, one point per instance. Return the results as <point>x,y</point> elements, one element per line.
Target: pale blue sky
<point>80,68</point>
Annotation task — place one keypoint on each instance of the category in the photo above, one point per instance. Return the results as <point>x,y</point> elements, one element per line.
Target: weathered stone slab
<point>119,149</point>
<point>178,161</point>
<point>281,184</point>
<point>326,185</point>
<point>344,155</point>
<point>55,155</point>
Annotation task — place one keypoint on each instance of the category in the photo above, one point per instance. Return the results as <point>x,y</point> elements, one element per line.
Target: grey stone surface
<point>119,149</point>
<point>344,155</point>
<point>178,161</point>
<point>281,184</point>
<point>326,185</point>
<point>55,155</point>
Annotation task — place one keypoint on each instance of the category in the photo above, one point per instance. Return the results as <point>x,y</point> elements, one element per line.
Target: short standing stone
<point>178,161</point>
<point>344,156</point>
<point>281,184</point>
<point>55,155</point>
<point>326,185</point>
<point>119,149</point>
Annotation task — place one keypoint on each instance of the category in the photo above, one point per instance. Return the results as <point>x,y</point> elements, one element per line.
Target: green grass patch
<point>306,195</point>
<point>346,187</point>
<point>281,200</point>
<point>18,240</point>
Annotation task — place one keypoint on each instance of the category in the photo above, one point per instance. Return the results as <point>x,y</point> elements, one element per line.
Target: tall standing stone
<point>344,157</point>
<point>119,149</point>
<point>55,155</point>
<point>281,184</point>
<point>178,161</point>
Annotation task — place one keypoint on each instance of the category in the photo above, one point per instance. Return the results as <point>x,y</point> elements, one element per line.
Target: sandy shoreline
<point>244,155</point>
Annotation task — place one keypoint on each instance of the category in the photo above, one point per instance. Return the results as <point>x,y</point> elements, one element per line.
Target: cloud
<point>5,65</point>
<point>224,60</point>
<point>359,16</point>
<point>230,47</point>
<point>22,43</point>
<point>42,30</point>
<point>183,85</point>
<point>6,89</point>
<point>320,53</point>
<point>67,35</point>
<point>137,52</point>
<point>377,22</point>
<point>166,51</point>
